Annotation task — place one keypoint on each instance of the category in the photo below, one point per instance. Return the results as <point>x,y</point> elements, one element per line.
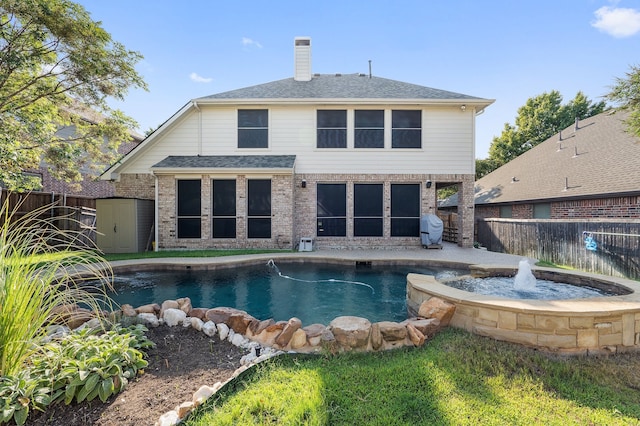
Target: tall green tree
<point>59,68</point>
<point>538,119</point>
<point>626,94</point>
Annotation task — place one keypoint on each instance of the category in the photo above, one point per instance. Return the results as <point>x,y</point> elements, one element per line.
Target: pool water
<point>543,290</point>
<point>314,293</point>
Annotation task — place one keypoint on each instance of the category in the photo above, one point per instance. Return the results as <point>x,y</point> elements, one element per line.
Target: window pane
<point>332,227</point>
<point>405,200</point>
<point>259,228</point>
<point>406,119</point>
<point>367,227</point>
<point>506,211</point>
<point>369,118</point>
<point>406,138</point>
<point>542,211</point>
<point>332,119</point>
<point>253,138</point>
<point>259,196</point>
<point>253,118</point>
<point>224,198</point>
<point>189,227</point>
<point>224,228</point>
<point>369,138</point>
<point>332,138</point>
<point>403,227</point>
<point>332,199</point>
<point>189,198</point>
<point>367,200</point>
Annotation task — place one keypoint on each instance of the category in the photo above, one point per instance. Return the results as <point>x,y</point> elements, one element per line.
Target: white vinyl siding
<point>447,141</point>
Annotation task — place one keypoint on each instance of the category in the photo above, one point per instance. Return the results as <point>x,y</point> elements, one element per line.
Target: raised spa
<point>589,324</point>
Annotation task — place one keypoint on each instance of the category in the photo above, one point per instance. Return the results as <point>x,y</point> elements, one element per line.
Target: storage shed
<point>124,225</point>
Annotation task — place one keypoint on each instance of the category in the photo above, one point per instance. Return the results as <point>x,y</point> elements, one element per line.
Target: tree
<point>626,93</point>
<point>538,119</point>
<point>55,64</point>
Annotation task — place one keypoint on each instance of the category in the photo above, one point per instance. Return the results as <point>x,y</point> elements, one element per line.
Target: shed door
<point>116,226</point>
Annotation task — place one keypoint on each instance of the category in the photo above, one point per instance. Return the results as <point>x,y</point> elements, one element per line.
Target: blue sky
<point>498,49</point>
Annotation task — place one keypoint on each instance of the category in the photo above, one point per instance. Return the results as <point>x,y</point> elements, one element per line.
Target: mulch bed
<point>181,362</point>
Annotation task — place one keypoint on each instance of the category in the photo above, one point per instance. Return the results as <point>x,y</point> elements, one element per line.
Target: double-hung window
<point>259,208</point>
<point>405,210</point>
<point>188,208</point>
<point>332,128</point>
<point>224,208</point>
<point>406,129</point>
<point>331,210</point>
<point>367,210</point>
<point>253,128</point>
<point>369,129</point>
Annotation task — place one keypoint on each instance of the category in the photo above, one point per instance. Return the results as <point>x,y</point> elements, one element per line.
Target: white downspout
<point>155,228</point>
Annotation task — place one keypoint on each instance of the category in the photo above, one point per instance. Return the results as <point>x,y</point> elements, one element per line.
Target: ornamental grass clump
<point>44,271</point>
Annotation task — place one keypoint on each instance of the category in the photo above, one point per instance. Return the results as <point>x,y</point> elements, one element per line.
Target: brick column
<point>465,211</point>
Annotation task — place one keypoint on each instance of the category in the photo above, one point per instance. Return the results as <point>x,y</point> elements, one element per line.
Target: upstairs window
<point>253,128</point>
<point>406,129</point>
<point>332,128</point>
<point>369,129</point>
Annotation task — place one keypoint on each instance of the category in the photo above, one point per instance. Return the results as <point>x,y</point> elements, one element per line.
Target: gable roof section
<point>344,87</point>
<point>606,164</point>
<point>226,162</point>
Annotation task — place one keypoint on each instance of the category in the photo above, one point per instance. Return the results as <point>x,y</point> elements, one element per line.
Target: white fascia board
<point>478,102</point>
<point>112,172</point>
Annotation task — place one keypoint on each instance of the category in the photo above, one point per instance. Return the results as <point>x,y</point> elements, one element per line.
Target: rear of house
<point>347,160</point>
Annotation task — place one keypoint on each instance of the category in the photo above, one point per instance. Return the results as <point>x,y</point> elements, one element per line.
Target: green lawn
<point>455,379</point>
<point>186,253</point>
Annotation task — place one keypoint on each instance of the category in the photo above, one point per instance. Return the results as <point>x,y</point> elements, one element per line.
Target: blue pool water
<point>312,292</point>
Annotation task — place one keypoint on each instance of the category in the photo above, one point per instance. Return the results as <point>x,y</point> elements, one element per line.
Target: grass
<point>456,379</point>
<point>185,253</point>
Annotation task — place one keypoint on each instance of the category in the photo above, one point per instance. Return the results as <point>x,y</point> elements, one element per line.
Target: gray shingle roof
<point>607,164</point>
<point>227,162</point>
<point>345,86</point>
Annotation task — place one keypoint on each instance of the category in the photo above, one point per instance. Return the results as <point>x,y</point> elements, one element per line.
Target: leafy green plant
<point>42,269</point>
<point>84,365</point>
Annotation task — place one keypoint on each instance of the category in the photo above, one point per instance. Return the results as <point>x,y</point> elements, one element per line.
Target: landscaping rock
<point>197,324</point>
<point>314,333</point>
<point>168,304</point>
<point>416,337</point>
<point>287,332</point>
<point>204,392</point>
<point>223,330</point>
<point>169,418</point>
<point>148,319</point>
<point>428,327</point>
<point>392,331</point>
<point>152,308</point>
<point>376,337</point>
<point>184,304</point>
<point>200,313</point>
<point>209,328</point>
<point>173,317</point>
<point>437,308</point>
<point>128,311</point>
<point>298,340</point>
<point>351,332</point>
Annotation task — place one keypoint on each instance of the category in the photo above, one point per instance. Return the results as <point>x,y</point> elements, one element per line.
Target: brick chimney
<point>302,59</point>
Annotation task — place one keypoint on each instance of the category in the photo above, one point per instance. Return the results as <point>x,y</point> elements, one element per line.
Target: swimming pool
<point>315,293</point>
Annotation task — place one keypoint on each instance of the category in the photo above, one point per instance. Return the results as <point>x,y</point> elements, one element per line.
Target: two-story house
<point>350,160</point>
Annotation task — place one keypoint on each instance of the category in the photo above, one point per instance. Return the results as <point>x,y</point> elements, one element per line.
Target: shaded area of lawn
<point>457,378</point>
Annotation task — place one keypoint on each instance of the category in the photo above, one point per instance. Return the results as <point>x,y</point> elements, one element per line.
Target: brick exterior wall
<point>294,210</point>
<point>613,207</point>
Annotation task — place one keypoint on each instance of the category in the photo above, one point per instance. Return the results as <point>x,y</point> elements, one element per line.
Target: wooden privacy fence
<point>75,214</point>
<point>617,250</point>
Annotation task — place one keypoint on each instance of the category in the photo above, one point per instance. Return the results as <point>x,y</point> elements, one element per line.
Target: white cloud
<point>618,22</point>
<point>246,41</point>
<point>199,79</point>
